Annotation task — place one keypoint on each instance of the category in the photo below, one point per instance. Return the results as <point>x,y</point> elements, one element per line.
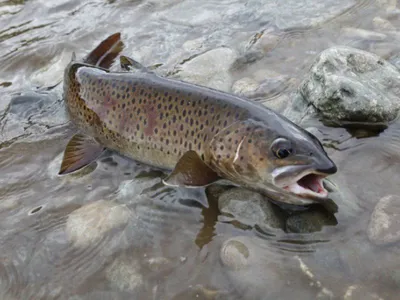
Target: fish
<point>197,134</point>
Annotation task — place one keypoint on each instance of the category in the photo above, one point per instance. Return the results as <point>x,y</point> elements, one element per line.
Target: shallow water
<point>161,243</point>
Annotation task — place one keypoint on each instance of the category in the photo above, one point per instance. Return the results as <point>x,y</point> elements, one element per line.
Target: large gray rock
<point>384,225</point>
<point>250,208</point>
<point>351,85</point>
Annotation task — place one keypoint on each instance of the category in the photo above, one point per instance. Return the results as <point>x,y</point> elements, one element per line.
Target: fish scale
<point>199,133</point>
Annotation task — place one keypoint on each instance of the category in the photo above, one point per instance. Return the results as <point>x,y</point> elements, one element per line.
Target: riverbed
<point>114,231</point>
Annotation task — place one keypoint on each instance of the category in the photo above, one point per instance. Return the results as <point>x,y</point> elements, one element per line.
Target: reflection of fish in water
<point>201,134</point>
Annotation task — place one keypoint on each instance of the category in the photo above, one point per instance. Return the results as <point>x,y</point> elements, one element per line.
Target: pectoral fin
<point>81,150</point>
<point>191,171</point>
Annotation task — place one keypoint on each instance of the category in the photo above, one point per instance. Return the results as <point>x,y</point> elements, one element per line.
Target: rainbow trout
<point>201,134</point>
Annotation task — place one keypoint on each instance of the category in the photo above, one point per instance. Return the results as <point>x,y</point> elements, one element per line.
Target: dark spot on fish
<point>161,116</point>
<point>241,158</point>
<point>159,106</point>
<point>141,92</point>
<point>225,123</point>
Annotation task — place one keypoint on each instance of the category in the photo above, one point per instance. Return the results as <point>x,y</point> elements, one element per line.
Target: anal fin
<point>81,150</point>
<point>191,171</point>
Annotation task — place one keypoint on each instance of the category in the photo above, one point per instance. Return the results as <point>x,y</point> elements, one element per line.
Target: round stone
<point>92,221</point>
<point>234,254</point>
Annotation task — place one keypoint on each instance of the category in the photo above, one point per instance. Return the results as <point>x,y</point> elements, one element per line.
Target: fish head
<point>273,158</point>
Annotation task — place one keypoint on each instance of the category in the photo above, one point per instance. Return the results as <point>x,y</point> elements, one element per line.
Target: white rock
<point>92,221</point>
<point>245,86</point>
<point>384,224</point>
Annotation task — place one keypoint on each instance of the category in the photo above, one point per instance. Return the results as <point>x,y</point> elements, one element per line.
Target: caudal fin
<point>105,53</point>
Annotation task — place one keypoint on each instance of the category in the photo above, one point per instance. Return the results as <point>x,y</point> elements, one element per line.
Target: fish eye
<point>281,148</point>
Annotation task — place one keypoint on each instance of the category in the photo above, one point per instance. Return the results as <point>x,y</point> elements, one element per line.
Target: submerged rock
<point>256,270</point>
<point>250,208</point>
<point>384,225</point>
<point>124,273</point>
<point>209,69</point>
<point>92,221</point>
<point>309,221</point>
<point>350,85</point>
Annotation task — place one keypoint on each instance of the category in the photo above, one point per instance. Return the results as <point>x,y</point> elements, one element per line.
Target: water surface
<point>162,244</point>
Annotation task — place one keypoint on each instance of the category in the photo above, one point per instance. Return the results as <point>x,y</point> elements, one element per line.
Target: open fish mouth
<point>302,181</point>
<point>310,185</point>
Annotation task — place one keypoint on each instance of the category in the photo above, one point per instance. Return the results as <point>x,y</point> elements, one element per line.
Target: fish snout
<point>327,166</point>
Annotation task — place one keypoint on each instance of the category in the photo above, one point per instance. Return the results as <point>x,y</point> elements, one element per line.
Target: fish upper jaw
<point>303,181</point>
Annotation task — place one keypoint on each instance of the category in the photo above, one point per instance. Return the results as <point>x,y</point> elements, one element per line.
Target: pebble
<point>245,87</point>
<point>92,221</point>
<point>234,254</point>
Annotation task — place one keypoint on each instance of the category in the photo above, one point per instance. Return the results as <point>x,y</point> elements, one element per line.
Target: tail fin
<point>105,53</point>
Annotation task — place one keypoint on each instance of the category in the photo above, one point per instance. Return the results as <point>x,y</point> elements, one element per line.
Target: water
<point>140,239</point>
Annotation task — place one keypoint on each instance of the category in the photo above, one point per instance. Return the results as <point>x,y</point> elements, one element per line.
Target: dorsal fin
<point>105,53</point>
<point>129,64</point>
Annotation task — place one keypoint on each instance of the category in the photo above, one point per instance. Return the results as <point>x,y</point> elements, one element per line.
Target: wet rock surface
<point>350,85</point>
<point>250,208</point>
<point>384,225</point>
